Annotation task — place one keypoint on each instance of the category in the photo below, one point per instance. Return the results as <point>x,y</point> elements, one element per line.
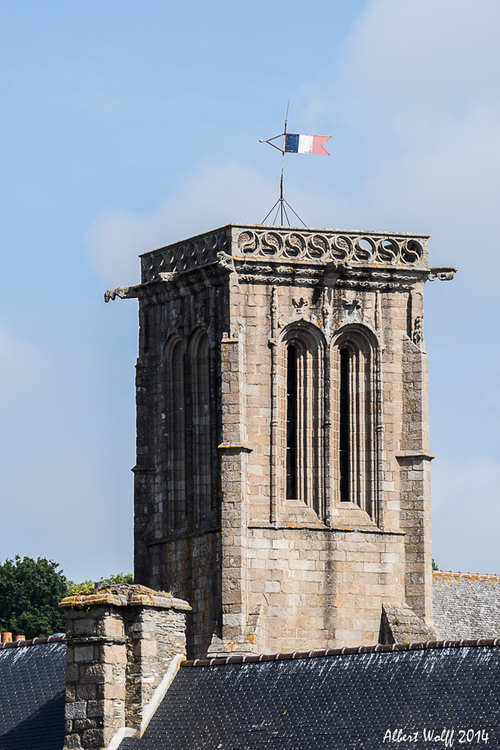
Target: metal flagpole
<point>281,203</point>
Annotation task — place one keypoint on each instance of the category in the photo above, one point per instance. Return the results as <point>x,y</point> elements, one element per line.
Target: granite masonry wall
<point>282,478</point>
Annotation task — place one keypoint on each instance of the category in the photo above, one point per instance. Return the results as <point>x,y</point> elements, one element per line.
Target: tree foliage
<point>74,588</point>
<point>29,593</point>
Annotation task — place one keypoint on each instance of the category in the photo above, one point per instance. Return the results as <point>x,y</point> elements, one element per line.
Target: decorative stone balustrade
<point>291,245</point>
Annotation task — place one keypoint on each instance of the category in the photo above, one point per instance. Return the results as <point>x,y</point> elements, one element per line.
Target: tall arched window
<point>301,405</point>
<point>354,407</point>
<point>201,418</point>
<point>176,433</point>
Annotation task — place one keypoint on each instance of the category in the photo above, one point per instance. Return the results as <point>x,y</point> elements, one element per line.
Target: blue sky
<point>128,125</point>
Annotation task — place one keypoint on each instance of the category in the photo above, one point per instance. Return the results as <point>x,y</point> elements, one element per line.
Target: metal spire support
<point>281,204</point>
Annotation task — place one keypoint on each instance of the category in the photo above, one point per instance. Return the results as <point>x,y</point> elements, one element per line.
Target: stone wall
<point>347,527</point>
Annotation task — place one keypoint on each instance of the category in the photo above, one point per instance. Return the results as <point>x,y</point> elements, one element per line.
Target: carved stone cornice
<point>358,261</point>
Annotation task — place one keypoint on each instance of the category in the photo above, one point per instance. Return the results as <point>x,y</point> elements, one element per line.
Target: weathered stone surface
<point>112,676</point>
<point>236,326</point>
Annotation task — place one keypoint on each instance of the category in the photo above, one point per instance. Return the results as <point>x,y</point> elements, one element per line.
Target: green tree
<point>29,593</point>
<point>74,588</point>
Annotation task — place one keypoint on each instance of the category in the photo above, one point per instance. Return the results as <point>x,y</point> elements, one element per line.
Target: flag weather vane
<point>293,143</point>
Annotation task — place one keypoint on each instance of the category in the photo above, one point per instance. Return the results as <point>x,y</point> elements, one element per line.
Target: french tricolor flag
<point>306,144</point>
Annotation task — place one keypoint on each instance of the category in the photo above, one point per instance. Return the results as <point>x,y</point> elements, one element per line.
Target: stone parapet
<point>289,245</point>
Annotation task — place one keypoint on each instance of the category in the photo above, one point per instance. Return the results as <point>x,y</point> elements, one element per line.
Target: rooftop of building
<point>32,684</point>
<point>466,605</point>
<point>365,698</point>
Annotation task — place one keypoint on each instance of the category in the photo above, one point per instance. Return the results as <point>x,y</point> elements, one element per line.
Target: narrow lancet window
<point>178,435</point>
<point>356,397</point>
<point>291,424</point>
<point>344,426</point>
<point>302,414</point>
<point>202,429</point>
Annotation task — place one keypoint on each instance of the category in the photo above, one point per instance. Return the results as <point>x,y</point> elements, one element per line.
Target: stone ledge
<point>321,529</point>
<point>122,595</point>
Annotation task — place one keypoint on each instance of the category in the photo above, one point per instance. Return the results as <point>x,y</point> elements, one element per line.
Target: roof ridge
<point>33,641</point>
<point>377,648</point>
<point>460,574</point>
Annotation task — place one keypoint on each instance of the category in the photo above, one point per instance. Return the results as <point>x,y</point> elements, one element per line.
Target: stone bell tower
<point>282,483</point>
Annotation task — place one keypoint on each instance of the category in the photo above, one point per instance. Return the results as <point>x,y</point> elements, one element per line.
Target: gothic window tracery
<point>354,406</point>
<point>188,432</point>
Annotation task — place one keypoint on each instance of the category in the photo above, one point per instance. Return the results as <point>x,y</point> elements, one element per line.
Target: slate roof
<point>466,605</point>
<point>32,684</point>
<point>355,699</point>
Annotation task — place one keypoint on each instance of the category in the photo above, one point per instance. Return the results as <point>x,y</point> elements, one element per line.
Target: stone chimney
<point>125,644</point>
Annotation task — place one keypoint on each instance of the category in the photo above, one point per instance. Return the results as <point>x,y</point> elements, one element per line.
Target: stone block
<point>83,654</point>
<point>76,710</point>
<point>114,654</point>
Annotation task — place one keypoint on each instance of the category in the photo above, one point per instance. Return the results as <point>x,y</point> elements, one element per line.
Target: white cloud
<point>212,195</point>
<point>418,85</point>
<point>421,54</point>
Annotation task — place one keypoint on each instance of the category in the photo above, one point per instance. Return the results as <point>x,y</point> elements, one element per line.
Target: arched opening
<point>354,410</point>
<point>201,419</point>
<point>301,416</point>
<point>344,425</point>
<point>176,457</point>
<point>291,423</point>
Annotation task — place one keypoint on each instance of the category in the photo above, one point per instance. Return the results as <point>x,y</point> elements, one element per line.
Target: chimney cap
<point>123,595</point>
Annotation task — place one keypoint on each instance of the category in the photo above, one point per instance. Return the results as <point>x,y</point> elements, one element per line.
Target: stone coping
<point>123,595</point>
<point>378,648</point>
<point>449,576</point>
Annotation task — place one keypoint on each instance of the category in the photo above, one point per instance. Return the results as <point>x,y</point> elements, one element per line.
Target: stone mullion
<point>318,434</point>
<point>335,430</point>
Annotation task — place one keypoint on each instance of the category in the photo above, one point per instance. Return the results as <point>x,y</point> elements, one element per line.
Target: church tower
<point>282,483</point>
